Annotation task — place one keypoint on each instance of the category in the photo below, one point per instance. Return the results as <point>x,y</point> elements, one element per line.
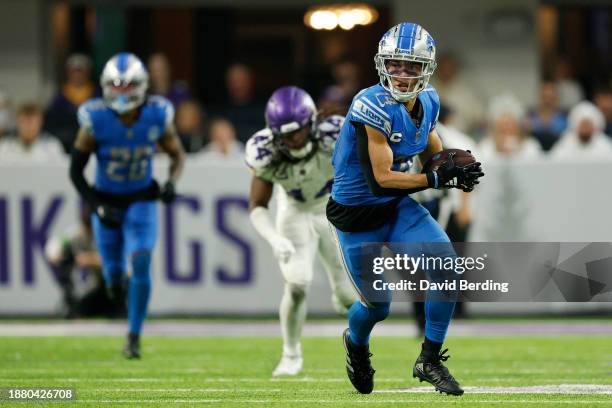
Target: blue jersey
<point>376,108</point>
<point>125,153</point>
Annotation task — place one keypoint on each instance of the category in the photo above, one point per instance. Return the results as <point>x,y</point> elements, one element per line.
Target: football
<point>461,158</point>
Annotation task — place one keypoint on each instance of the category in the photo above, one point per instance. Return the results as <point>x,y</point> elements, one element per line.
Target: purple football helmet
<point>290,114</point>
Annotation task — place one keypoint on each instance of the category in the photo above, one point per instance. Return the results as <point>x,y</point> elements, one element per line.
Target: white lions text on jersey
<point>376,108</point>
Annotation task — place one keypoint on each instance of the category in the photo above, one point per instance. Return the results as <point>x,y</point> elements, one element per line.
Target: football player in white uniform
<point>294,152</point>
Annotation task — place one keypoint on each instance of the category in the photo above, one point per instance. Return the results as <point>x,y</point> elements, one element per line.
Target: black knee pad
<point>296,291</point>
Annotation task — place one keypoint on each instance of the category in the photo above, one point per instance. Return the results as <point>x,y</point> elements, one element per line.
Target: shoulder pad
<point>432,94</point>
<point>165,106</point>
<point>328,131</point>
<point>86,110</point>
<point>260,150</point>
<point>372,108</point>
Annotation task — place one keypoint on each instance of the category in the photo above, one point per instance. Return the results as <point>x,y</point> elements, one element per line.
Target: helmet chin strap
<point>402,96</point>
<point>123,104</point>
<point>122,108</point>
<point>303,151</point>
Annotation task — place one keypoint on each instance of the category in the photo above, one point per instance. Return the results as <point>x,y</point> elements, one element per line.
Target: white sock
<point>292,316</point>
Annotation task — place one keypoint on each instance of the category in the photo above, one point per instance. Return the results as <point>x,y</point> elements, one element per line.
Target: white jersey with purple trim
<point>306,183</point>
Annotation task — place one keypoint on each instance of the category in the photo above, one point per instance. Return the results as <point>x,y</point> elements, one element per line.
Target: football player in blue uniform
<point>388,125</point>
<point>123,130</point>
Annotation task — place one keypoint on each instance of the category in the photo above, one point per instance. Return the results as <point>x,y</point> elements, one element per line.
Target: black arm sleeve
<point>366,167</point>
<point>78,161</point>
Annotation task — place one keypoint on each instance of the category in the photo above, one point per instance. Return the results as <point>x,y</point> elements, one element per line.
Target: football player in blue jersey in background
<point>388,125</point>
<point>123,130</point>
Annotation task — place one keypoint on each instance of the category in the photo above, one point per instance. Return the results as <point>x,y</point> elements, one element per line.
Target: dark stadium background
<point>509,64</point>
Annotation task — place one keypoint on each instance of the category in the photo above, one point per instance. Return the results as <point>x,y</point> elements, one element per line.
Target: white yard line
<point>207,380</point>
<point>531,389</point>
<point>243,390</point>
<point>563,389</point>
<point>601,389</point>
<point>336,402</point>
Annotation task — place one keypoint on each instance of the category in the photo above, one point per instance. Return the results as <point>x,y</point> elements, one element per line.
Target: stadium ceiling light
<point>345,16</point>
<point>323,20</point>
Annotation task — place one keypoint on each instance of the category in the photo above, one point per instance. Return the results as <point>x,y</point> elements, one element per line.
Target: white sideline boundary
<point>271,328</point>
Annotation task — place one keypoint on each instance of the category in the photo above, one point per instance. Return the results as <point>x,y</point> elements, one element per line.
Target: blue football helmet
<point>406,42</point>
<point>124,82</point>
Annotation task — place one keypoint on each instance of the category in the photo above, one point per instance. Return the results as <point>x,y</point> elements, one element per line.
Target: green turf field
<point>236,372</point>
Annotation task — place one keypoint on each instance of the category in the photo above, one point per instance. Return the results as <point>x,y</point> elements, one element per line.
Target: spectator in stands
<point>457,94</point>
<point>570,91</point>
<point>161,83</point>
<point>337,98</point>
<point>242,107</point>
<point>190,119</point>
<point>506,138</point>
<point>60,117</point>
<point>31,145</point>
<point>603,100</point>
<point>584,138</point>
<point>547,121</point>
<point>223,143</point>
<point>6,115</point>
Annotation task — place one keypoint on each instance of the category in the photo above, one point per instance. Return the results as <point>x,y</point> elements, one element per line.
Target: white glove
<point>281,246</point>
<point>54,251</point>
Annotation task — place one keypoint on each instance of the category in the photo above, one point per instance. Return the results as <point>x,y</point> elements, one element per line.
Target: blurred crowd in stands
<point>562,124</point>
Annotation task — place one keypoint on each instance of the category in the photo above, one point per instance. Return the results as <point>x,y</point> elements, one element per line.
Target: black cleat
<point>132,347</point>
<point>432,370</point>
<point>358,366</point>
